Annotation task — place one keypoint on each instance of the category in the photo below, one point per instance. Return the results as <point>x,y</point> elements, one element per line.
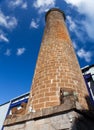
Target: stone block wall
<point>58,122</point>
<point>69,120</point>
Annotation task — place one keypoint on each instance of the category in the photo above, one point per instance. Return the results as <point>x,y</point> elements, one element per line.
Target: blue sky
<point>22,24</point>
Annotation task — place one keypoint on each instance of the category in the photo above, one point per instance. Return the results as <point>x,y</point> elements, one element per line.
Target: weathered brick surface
<point>57,66</point>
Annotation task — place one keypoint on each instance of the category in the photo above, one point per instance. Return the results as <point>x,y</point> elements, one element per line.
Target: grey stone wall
<point>56,122</point>
<point>67,121</point>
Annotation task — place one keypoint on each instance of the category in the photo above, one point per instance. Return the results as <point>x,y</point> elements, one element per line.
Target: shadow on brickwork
<point>85,118</point>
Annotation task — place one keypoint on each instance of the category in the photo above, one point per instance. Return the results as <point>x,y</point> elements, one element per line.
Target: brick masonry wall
<point>57,66</point>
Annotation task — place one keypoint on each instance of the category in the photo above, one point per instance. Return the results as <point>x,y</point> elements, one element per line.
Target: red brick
<point>57,66</point>
<point>44,99</point>
<point>49,104</point>
<point>50,93</point>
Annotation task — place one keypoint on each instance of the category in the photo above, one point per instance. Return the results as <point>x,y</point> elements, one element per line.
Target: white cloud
<point>44,5</point>
<point>74,2</point>
<point>24,5</point>
<point>20,51</point>
<point>75,27</point>
<point>75,45</point>
<point>11,22</point>
<point>3,38</point>
<point>84,54</point>
<point>8,52</point>
<point>8,22</point>
<point>85,7</point>
<point>18,3</point>
<point>34,24</point>
<point>72,24</point>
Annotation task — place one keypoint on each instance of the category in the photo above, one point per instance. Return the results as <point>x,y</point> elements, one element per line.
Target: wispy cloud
<point>43,5</point>
<point>72,24</point>
<point>8,52</point>
<point>84,54</point>
<point>75,45</point>
<point>20,51</point>
<point>8,22</point>
<point>3,38</point>
<point>18,3</point>
<point>86,8</point>
<point>34,24</point>
<point>24,6</point>
<point>76,28</point>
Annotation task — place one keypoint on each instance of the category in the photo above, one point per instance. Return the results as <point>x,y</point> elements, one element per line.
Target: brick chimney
<point>57,70</point>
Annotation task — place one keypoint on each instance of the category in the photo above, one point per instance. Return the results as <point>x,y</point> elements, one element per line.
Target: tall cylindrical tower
<point>57,66</point>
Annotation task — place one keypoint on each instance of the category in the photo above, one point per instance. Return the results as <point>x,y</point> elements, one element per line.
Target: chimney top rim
<point>55,9</point>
